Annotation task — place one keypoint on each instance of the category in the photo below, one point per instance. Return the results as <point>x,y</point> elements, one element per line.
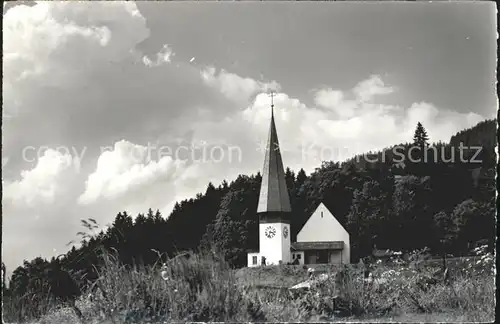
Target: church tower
<point>274,208</point>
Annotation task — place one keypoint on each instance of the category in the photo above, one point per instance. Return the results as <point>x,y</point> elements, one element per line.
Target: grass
<point>272,276</point>
<point>202,287</point>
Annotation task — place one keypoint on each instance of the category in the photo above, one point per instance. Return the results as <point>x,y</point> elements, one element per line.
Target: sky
<point>123,106</point>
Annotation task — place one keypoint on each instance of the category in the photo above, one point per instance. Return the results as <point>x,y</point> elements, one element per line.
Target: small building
<point>322,239</point>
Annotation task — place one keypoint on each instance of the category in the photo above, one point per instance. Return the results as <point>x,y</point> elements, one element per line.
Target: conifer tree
<point>290,182</point>
<point>420,137</point>
<point>418,159</point>
<point>300,179</point>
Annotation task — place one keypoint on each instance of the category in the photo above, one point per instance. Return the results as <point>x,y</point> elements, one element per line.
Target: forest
<point>446,205</point>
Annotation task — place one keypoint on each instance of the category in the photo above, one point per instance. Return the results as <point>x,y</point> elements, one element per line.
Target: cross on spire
<point>272,94</point>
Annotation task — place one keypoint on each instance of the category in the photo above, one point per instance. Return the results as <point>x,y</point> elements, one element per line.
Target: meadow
<point>202,287</point>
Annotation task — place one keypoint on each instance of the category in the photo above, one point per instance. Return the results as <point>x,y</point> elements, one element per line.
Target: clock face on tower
<point>285,232</point>
<point>270,232</point>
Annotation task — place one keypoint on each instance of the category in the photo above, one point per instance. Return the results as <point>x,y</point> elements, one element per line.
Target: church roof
<point>273,191</point>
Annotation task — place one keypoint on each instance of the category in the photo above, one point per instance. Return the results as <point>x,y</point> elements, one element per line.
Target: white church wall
<point>277,247</point>
<point>322,226</point>
<point>253,259</point>
<point>335,257</point>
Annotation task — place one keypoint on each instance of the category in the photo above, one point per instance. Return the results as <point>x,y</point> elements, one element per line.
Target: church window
<point>321,214</point>
<point>298,256</point>
<point>254,260</point>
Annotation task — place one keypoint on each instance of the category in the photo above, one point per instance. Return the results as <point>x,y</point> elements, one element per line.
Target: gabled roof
<point>318,205</point>
<point>273,191</point>
<point>321,234</point>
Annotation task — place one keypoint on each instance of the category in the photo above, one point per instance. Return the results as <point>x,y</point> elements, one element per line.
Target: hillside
<point>438,198</point>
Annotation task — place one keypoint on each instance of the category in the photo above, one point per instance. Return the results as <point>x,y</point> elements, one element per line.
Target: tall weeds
<point>194,287</point>
<point>402,287</point>
<point>202,287</point>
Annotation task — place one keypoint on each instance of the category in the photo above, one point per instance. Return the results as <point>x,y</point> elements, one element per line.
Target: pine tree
<point>420,138</point>
<point>210,189</point>
<point>300,179</point>
<point>417,163</point>
<point>158,217</point>
<point>290,182</point>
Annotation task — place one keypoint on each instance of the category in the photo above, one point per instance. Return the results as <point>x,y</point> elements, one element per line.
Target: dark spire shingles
<point>273,190</point>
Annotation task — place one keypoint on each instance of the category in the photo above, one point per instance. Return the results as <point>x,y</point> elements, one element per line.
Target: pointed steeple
<point>273,191</point>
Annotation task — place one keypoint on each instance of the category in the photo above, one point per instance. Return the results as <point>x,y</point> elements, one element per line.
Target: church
<point>321,240</point>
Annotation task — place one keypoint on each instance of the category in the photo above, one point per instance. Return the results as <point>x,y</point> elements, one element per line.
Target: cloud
<point>74,77</point>
<point>350,127</point>
<point>126,170</point>
<point>235,87</point>
<point>79,68</point>
<point>38,209</point>
<point>43,183</point>
<point>334,100</point>
<point>344,108</point>
<point>328,97</point>
<point>371,87</point>
<point>70,35</point>
<point>162,57</point>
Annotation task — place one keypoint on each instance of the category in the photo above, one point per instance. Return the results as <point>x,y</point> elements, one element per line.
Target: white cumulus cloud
<point>371,87</point>
<point>43,183</point>
<point>126,169</point>
<point>235,87</point>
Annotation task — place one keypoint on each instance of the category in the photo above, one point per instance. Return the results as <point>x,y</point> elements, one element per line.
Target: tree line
<point>442,205</point>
